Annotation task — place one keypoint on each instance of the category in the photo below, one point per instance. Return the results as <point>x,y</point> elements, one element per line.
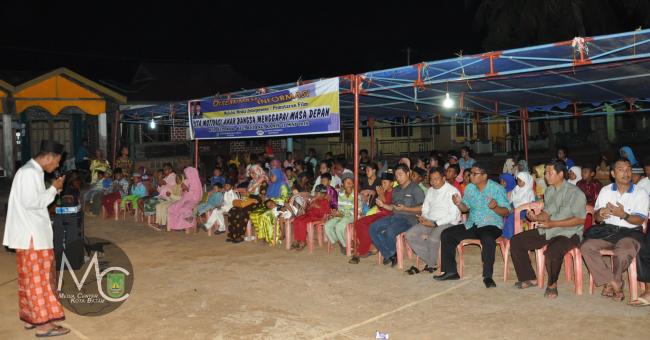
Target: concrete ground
<point>200,287</point>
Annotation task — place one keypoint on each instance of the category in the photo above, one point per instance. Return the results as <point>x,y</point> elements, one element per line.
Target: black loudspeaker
<point>69,238</point>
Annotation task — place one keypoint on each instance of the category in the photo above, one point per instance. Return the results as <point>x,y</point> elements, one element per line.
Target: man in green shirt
<point>559,227</point>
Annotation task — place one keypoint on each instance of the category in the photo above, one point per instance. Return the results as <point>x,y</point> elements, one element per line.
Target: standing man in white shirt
<point>620,210</point>
<point>438,213</point>
<point>28,230</point>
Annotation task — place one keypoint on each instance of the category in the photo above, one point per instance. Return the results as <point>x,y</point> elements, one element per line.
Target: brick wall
<point>178,134</point>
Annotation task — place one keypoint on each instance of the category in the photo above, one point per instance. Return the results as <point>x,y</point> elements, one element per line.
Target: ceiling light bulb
<point>448,103</point>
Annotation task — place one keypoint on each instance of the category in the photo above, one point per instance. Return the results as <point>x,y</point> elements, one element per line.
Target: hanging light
<point>152,124</point>
<point>448,103</point>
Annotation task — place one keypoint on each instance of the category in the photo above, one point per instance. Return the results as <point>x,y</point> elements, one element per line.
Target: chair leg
<point>461,260</point>
<point>349,239</point>
<point>634,285</point>
<point>591,284</point>
<point>320,230</point>
<point>539,253</point>
<point>116,208</point>
<point>577,270</point>
<point>310,237</point>
<point>506,254</point>
<point>288,229</point>
<point>567,267</point>
<point>399,248</point>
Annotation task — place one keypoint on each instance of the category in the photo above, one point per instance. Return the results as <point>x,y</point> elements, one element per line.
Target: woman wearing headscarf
<point>522,194</point>
<point>180,214</point>
<point>627,152</point>
<point>522,165</point>
<point>277,193</point>
<point>575,174</point>
<point>509,182</point>
<point>166,186</point>
<point>162,207</point>
<point>239,216</point>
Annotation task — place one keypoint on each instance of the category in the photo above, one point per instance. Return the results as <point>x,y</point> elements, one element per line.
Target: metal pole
<point>371,124</point>
<point>356,148</point>
<point>115,132</point>
<point>524,127</point>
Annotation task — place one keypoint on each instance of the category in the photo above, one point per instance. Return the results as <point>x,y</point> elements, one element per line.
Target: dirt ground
<point>200,287</point>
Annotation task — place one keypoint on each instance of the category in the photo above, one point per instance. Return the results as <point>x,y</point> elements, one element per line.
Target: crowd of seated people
<point>434,203</point>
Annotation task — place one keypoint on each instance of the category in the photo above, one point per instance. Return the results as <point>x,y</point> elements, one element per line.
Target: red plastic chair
<point>631,270</point>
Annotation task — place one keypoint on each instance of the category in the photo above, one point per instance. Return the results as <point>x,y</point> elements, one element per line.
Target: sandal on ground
<point>354,260</point>
<point>54,331</point>
<point>368,254</point>
<point>608,291</point>
<point>301,246</point>
<point>551,293</point>
<point>640,302</point>
<point>428,269</point>
<point>29,326</point>
<point>524,284</point>
<point>413,270</point>
<point>155,227</point>
<point>618,296</point>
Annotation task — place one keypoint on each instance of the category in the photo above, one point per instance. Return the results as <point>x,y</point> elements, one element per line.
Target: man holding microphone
<point>28,230</point>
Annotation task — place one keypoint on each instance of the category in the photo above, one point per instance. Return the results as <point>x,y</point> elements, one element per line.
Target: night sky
<point>268,42</point>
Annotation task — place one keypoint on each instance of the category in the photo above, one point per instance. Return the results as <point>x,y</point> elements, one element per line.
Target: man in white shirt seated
<point>438,213</point>
<point>621,209</point>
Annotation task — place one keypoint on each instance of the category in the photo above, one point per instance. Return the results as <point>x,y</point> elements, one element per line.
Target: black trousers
<point>558,246</point>
<point>451,237</point>
<point>643,261</point>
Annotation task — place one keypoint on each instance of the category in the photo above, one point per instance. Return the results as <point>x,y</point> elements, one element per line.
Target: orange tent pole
<point>357,84</point>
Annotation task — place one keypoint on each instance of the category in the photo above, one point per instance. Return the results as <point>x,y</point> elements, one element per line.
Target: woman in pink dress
<point>180,214</point>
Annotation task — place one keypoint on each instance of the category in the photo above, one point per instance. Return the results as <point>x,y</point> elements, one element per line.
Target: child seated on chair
<point>217,215</point>
<point>119,188</point>
<point>217,177</point>
<point>332,194</point>
<point>137,190</point>
<point>344,215</point>
<point>215,199</point>
<point>316,210</point>
<point>96,188</point>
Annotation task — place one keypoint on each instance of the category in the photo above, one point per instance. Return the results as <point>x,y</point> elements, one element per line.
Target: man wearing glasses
<point>487,204</point>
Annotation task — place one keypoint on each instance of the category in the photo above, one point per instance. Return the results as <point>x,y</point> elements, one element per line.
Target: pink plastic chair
<point>400,246</point>
<point>501,241</point>
<point>127,207</point>
<point>534,206</point>
<point>631,270</point>
<point>288,233</point>
<point>318,227</point>
<point>572,261</point>
<point>350,239</point>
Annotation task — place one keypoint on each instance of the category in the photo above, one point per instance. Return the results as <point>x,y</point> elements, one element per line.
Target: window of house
<point>400,128</point>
